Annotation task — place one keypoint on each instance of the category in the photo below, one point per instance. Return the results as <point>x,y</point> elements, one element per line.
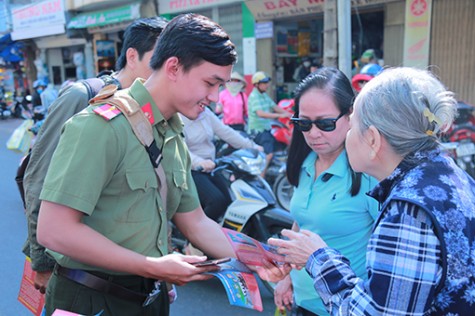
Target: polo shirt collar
<point>138,91</point>
<point>338,168</point>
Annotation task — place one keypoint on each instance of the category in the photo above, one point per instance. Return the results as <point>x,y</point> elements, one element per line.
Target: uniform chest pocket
<point>143,180</point>
<point>139,196</point>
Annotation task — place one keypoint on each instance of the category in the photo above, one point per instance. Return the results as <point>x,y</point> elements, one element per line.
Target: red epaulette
<point>107,111</point>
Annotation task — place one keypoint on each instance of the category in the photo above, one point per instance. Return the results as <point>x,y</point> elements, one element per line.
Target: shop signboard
<point>276,9</point>
<point>40,19</point>
<point>176,6</point>
<point>105,17</point>
<point>4,13</point>
<point>417,33</point>
<point>264,30</point>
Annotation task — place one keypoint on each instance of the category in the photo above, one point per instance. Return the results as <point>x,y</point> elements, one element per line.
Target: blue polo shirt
<point>326,207</point>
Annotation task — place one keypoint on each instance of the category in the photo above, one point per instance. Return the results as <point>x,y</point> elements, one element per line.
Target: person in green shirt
<point>261,111</point>
<point>102,216</point>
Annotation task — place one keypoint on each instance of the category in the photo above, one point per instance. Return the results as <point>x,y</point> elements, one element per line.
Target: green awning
<point>105,17</point>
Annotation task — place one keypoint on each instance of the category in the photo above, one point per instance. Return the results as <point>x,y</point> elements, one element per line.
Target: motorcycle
<point>5,111</point>
<point>253,209</point>
<point>276,173</point>
<point>459,141</point>
<point>21,107</point>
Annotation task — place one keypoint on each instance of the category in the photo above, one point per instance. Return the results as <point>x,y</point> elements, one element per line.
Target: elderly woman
<point>421,254</point>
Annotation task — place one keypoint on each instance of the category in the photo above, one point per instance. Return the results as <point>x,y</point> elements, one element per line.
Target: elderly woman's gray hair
<point>409,107</point>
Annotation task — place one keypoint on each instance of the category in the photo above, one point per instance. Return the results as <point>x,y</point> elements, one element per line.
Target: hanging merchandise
<point>20,140</point>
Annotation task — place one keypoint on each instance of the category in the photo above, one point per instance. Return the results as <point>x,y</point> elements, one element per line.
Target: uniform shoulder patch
<point>107,111</point>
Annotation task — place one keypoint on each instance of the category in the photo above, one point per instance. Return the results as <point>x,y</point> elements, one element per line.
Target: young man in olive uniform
<point>102,216</point>
<point>133,62</point>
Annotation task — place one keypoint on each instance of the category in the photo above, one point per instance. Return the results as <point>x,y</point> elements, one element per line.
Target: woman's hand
<point>283,294</point>
<point>272,272</point>
<point>299,246</point>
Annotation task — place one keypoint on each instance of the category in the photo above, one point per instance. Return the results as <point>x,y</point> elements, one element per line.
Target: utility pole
<point>330,35</point>
<point>344,36</point>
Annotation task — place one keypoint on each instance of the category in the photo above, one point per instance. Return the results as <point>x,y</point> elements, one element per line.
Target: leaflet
<point>250,251</point>
<point>240,285</point>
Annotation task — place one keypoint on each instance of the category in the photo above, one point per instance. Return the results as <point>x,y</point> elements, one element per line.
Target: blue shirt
<point>328,209</point>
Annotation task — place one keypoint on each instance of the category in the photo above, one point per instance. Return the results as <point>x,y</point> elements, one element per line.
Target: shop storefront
<point>42,26</point>
<point>297,39</point>
<point>105,29</point>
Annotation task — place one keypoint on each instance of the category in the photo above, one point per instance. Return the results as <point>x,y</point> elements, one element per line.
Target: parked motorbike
<point>22,107</point>
<point>5,111</point>
<point>253,209</point>
<point>275,175</point>
<point>459,141</point>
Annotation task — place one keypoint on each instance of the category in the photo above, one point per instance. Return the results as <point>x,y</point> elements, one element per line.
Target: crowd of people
<point>384,222</point>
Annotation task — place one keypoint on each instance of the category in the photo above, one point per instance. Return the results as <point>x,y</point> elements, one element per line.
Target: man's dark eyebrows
<point>218,78</point>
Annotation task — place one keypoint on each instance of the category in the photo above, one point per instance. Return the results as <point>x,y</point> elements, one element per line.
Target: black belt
<point>94,282</point>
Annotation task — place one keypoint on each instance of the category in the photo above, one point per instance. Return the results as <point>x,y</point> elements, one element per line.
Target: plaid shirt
<point>403,273</point>
<point>405,257</point>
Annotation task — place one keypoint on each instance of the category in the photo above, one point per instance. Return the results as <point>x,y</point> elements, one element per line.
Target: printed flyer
<point>250,251</point>
<point>28,295</point>
<point>240,285</point>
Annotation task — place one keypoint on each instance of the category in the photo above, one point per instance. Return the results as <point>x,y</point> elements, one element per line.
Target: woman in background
<point>233,102</point>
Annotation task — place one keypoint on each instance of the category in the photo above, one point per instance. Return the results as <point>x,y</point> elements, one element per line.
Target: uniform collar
<point>142,96</point>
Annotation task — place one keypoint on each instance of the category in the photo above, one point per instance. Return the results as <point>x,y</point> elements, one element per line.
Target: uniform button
<point>165,123</point>
<point>160,243</point>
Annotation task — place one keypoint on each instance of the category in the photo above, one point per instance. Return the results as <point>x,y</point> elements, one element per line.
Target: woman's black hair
<point>336,84</point>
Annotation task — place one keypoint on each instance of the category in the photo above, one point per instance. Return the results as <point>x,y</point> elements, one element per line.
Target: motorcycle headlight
<point>254,166</point>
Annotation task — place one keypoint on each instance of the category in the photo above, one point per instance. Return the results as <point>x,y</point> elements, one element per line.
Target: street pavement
<point>196,298</point>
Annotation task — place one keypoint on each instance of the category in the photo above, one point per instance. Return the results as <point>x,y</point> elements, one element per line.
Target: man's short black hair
<point>194,38</point>
<point>142,35</point>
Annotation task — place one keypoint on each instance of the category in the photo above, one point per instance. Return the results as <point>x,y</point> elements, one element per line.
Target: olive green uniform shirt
<point>101,169</point>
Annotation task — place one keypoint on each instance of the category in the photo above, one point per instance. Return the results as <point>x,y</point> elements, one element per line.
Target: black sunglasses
<point>325,125</point>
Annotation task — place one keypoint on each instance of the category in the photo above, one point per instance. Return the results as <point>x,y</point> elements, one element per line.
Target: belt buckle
<point>152,296</point>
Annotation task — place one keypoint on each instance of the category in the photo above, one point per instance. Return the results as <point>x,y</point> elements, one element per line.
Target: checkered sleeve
<point>403,264</point>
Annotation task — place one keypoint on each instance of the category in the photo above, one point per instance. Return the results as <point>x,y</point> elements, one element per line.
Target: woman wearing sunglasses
<point>329,197</point>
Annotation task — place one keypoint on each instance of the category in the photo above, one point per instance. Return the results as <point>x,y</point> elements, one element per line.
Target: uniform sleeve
<point>84,161</point>
<point>402,258</point>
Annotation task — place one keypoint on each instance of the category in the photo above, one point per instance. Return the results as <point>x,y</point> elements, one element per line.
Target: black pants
<point>213,194</point>
<point>237,127</point>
